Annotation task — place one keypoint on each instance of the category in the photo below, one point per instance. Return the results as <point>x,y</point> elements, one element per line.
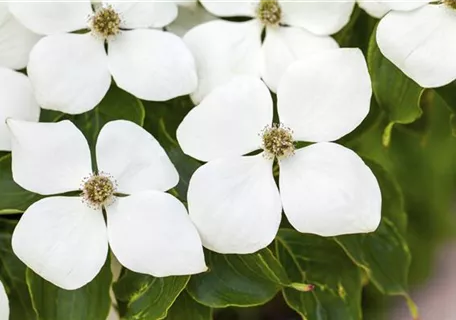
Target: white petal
<point>325,96</point>
<point>189,17</point>
<point>4,303</point>
<point>62,240</point>
<point>223,50</point>
<point>228,122</point>
<point>235,204</point>
<point>150,232</point>
<point>134,158</point>
<point>52,17</point>
<point>69,72</point>
<point>48,158</point>
<point>230,8</point>
<point>282,46</point>
<point>421,43</point>
<point>152,64</point>
<point>16,101</point>
<point>319,17</point>
<point>4,12</point>
<point>376,9</point>
<point>151,14</point>
<point>16,41</point>
<point>407,5</point>
<point>327,189</point>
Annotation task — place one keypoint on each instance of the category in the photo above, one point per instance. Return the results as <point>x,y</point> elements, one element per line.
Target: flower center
<point>98,190</point>
<point>105,22</point>
<point>269,12</point>
<point>278,141</point>
<point>450,3</point>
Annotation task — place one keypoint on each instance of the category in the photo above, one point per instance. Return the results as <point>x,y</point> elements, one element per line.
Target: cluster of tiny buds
<point>277,141</point>
<point>105,22</point>
<point>269,12</point>
<point>98,190</point>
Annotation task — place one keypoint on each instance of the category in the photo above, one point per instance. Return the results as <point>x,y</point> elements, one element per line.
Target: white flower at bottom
<point>419,39</point>
<point>325,188</point>
<point>4,303</point>
<point>16,101</point>
<point>65,239</point>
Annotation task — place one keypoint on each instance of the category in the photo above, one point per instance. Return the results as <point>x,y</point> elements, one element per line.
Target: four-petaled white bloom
<point>16,101</point>
<point>419,38</point>
<point>64,239</point>
<point>4,303</point>
<point>16,41</point>
<point>225,49</point>
<point>325,188</point>
<point>72,72</point>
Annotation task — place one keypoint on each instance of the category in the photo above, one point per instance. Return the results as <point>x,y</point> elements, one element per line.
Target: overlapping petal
<point>235,204</point>
<point>69,72</point>
<point>48,158</point>
<point>223,50</point>
<point>319,17</point>
<point>230,8</point>
<point>420,43</point>
<point>228,122</point>
<point>326,96</point>
<point>134,158</point>
<point>62,240</point>
<point>152,64</point>
<point>326,189</point>
<point>150,232</point>
<point>283,46</point>
<point>16,101</point>
<point>4,303</point>
<point>52,17</point>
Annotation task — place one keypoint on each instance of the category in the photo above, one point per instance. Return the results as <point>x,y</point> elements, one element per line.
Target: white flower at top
<point>4,304</point>
<point>16,101</point>
<point>16,41</point>
<point>419,39</point>
<point>325,188</point>
<point>64,239</point>
<point>225,49</point>
<point>71,72</point>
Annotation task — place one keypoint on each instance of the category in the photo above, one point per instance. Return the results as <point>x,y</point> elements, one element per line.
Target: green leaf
<point>187,308</point>
<point>238,280</point>
<point>143,297</point>
<point>448,94</point>
<point>91,302</point>
<point>12,275</point>
<point>321,262</point>
<point>396,94</point>
<point>13,198</point>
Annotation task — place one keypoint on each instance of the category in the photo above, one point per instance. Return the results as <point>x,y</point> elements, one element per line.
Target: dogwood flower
<point>418,39</point>
<point>72,72</point>
<point>16,101</point>
<point>16,41</point>
<point>325,188</point>
<point>64,239</point>
<point>4,304</point>
<point>225,49</point>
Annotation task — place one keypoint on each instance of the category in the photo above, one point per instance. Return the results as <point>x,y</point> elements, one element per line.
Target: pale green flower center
<point>269,12</point>
<point>98,190</point>
<point>278,141</point>
<point>105,22</point>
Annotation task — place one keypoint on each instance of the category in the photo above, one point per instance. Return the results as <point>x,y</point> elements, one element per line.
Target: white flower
<point>325,188</point>
<point>16,41</point>
<point>225,49</point>
<point>420,41</point>
<point>16,101</point>
<point>4,304</point>
<point>64,239</point>
<point>72,72</point>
